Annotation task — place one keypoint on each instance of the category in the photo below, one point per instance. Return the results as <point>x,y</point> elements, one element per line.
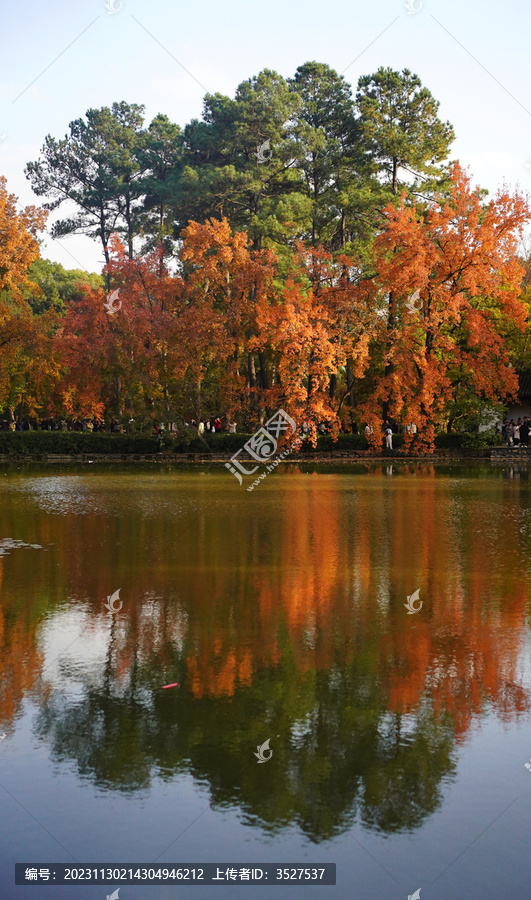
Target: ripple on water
<point>74,494</point>
<point>7,544</point>
<point>62,495</point>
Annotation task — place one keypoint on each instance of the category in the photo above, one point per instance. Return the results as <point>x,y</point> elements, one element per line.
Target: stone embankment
<point>496,454</point>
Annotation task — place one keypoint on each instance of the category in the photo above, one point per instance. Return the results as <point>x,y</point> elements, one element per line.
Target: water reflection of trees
<point>284,619</point>
<point>346,757</point>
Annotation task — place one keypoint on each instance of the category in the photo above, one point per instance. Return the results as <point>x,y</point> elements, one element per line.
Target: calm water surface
<point>399,741</point>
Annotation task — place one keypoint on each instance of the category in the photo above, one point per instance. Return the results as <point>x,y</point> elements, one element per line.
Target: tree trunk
<point>389,368</point>
<point>105,250</point>
<point>350,385</point>
<point>129,224</point>
<point>392,303</point>
<point>310,378</point>
<point>391,315</point>
<point>251,371</point>
<point>264,381</point>
<point>333,386</point>
<point>117,385</point>
<point>161,241</point>
<point>198,401</point>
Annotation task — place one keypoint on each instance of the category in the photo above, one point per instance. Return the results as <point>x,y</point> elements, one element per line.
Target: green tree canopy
<point>59,285</point>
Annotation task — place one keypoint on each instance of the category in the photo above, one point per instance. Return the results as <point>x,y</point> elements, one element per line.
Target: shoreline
<point>497,454</point>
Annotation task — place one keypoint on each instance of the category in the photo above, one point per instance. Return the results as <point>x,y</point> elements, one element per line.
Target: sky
<point>61,58</point>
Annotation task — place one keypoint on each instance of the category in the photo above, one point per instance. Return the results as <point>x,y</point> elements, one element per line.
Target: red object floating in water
<point>164,686</point>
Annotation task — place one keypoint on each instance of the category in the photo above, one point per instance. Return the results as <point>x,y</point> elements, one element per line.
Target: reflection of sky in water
<point>75,645</point>
<point>82,496</point>
<point>60,495</point>
<point>302,729</point>
<point>7,544</point>
<point>523,663</point>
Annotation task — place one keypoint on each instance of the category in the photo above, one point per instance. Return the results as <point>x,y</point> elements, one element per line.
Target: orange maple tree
<point>163,332</point>
<point>448,282</point>
<point>316,326</point>
<point>27,365</point>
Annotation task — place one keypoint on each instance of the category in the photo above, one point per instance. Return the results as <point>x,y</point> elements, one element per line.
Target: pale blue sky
<point>221,44</point>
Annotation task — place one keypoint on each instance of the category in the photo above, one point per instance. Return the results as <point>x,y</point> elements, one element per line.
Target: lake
<point>396,740</point>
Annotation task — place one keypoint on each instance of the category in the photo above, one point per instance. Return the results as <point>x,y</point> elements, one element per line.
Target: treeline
<point>298,246</point>
<point>285,160</point>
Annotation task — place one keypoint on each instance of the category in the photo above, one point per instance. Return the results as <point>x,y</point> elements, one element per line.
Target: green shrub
<point>467,440</point>
<point>42,443</point>
<point>224,442</point>
<point>34,443</point>
<point>448,440</point>
<point>231,443</point>
<point>482,440</point>
<point>345,442</point>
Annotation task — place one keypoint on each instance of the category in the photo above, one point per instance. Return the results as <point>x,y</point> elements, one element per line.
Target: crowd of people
<point>213,425</point>
<point>516,434</point>
<point>114,426</point>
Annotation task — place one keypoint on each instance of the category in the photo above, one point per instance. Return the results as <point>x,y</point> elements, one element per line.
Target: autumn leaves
<point>460,255</point>
<point>326,342</point>
<point>179,336</point>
